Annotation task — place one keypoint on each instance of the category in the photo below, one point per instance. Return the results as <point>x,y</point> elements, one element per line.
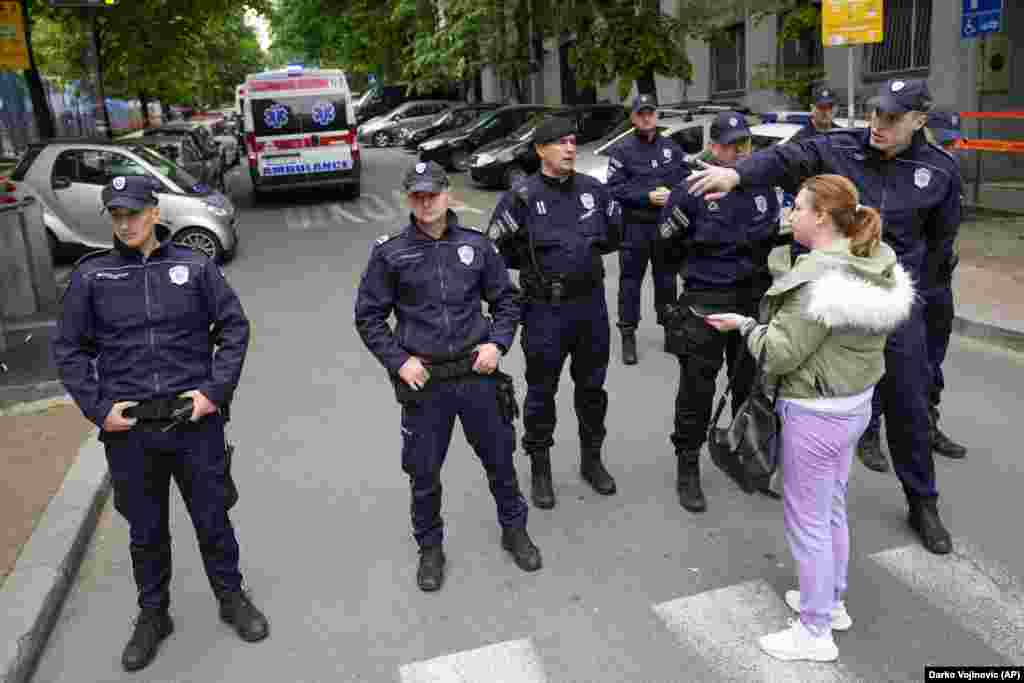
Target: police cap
<point>945,126</point>
<point>553,129</point>
<point>728,127</point>
<point>130,192</point>
<point>900,96</point>
<point>824,95</point>
<point>643,102</point>
<point>425,176</point>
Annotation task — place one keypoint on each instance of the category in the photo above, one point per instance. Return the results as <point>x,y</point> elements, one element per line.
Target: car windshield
<point>172,172</point>
<point>614,136</point>
<point>623,127</point>
<point>523,132</point>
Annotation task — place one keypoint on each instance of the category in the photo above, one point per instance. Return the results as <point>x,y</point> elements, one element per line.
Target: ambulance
<point>300,131</point>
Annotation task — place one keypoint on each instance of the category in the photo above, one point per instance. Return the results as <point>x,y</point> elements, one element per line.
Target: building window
<point>802,52</point>
<point>729,61</point>
<point>907,45</point>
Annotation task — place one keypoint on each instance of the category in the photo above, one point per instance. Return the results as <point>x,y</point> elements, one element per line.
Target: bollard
<point>27,281</point>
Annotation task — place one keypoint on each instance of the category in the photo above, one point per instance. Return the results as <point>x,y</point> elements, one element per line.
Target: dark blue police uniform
<point>918,194</point>
<point>435,288</point>
<point>637,166</point>
<point>824,96</point>
<point>555,231</point>
<point>146,330</point>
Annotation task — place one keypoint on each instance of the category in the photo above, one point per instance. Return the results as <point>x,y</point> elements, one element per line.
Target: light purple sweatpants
<point>817,449</point>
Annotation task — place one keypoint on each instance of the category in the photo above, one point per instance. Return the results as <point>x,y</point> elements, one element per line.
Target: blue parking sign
<point>981,17</point>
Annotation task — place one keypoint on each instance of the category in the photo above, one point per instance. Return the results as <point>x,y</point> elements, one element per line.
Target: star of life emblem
<point>119,183</point>
<point>922,177</point>
<point>179,274</point>
<point>587,200</point>
<point>761,203</point>
<point>466,254</point>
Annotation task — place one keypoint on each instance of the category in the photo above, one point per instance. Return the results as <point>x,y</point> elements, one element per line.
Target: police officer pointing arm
<point>917,189</point>
<point>434,276</point>
<point>134,351</point>
<point>554,227</point>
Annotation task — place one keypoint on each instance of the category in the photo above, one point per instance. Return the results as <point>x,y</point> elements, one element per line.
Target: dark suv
<point>453,149</point>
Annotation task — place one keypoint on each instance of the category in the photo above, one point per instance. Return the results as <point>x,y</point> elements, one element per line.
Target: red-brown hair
<point>838,197</point>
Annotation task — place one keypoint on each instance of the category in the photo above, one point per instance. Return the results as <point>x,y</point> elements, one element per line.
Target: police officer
<point>726,243</point>
<point>434,275</point>
<point>135,351</point>
<point>917,187</point>
<point>641,169</point>
<point>554,227</point>
<point>822,115</point>
<point>938,319</point>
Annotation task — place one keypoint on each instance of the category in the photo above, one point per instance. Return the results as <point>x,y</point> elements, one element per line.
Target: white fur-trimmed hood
<point>842,298</point>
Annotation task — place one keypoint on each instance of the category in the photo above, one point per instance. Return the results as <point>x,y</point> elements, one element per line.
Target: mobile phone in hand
<point>701,312</point>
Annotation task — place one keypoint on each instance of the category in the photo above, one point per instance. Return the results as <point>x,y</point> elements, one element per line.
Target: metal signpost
<point>848,23</point>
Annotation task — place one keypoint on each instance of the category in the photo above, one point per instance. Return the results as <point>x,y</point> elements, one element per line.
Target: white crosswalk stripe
<point>342,215</point>
<point>381,210</point>
<point>513,661</point>
<point>723,626</point>
<point>296,218</point>
<point>979,594</point>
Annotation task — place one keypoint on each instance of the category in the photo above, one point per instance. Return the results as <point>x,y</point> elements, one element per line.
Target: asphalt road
<point>633,588</point>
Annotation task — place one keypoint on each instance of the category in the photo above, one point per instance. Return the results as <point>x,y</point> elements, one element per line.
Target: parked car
<point>382,131</point>
<point>67,176</point>
<point>380,99</point>
<point>452,149</point>
<point>202,138</point>
<point>182,151</point>
<point>502,162</point>
<point>458,117</point>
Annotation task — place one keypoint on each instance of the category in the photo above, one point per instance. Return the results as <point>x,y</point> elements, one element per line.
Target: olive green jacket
<point>829,315</point>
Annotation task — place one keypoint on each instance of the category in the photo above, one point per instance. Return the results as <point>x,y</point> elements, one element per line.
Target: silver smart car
<point>67,176</point>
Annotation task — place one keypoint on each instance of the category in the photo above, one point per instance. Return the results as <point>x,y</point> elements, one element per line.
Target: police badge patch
<point>179,274</point>
<point>466,254</point>
<point>119,183</point>
<point>761,203</point>
<point>922,177</point>
<point>667,153</point>
<point>587,200</point>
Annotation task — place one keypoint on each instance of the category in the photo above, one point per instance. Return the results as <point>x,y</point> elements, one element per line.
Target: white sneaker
<point>841,620</point>
<point>796,643</point>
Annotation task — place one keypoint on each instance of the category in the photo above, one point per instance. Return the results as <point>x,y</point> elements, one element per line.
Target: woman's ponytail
<point>866,231</point>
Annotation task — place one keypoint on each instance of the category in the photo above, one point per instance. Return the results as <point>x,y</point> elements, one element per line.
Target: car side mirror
<point>61,183</point>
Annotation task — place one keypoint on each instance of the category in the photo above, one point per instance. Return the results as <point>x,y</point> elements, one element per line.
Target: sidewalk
<point>989,292</point>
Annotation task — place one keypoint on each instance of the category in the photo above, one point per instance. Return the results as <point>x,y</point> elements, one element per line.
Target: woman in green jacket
<point>830,312</point>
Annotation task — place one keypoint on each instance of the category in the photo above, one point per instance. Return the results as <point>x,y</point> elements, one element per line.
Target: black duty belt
<point>160,410</point>
<point>450,369</point>
<point>557,289</point>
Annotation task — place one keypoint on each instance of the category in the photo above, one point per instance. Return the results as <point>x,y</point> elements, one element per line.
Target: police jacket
<point>150,326</point>
<point>917,192</point>
<point>726,241</point>
<point>808,131</point>
<point>435,289</point>
<point>559,227</point>
<point>636,167</point>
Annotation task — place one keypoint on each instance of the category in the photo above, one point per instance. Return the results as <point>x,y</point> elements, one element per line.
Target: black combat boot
<point>151,627</point>
<point>593,472</point>
<point>629,346</point>
<point>869,450</point>
<point>924,520</point>
<point>691,496</point>
<point>430,574</point>
<point>542,491</point>
<point>524,552</point>
<point>237,609</point>
<point>942,444</point>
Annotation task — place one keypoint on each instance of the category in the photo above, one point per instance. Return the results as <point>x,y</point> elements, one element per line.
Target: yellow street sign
<point>13,50</point>
<point>851,22</point>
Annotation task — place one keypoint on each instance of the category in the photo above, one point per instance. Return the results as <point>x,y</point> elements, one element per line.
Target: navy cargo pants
<point>577,329</point>
<point>427,425</point>
<point>142,463</point>
<point>639,247</point>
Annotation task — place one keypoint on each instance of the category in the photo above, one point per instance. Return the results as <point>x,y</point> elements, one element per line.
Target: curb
<point>31,597</point>
<point>993,334</point>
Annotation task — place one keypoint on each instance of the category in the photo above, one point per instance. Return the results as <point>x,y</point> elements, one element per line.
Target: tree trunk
<point>144,103</point>
<point>100,98</point>
<point>40,103</point>
<point>645,85</point>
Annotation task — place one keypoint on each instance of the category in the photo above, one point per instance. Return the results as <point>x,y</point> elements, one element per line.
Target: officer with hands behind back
<point>443,357</point>
<point>726,242</point>
<point>641,170</point>
<point>150,345</point>
<point>554,228</point>
<point>917,188</point>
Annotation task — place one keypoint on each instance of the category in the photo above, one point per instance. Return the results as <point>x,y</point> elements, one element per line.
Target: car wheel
<point>202,240</point>
<point>513,176</point>
<point>381,139</point>
<point>460,160</point>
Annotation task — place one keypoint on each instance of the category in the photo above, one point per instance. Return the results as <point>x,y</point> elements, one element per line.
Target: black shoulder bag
<point>745,450</point>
